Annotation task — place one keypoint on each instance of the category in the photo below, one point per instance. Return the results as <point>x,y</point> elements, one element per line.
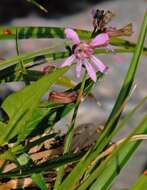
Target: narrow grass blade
<point>38,5</point>
<point>28,32</point>
<point>110,168</point>
<point>39,180</point>
<point>48,165</point>
<point>129,78</point>
<point>78,171</point>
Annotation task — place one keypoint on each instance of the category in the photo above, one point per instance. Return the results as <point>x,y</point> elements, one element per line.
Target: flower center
<point>82,51</point>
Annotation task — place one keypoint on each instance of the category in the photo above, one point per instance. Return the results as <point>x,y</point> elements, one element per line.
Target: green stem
<point>69,136</point>
<point>70,132</point>
<point>18,53</point>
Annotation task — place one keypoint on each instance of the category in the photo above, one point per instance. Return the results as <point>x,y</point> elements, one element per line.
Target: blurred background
<point>77,14</point>
<point>56,8</point>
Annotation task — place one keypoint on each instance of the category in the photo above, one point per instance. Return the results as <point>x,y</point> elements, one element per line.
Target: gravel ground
<point>106,91</point>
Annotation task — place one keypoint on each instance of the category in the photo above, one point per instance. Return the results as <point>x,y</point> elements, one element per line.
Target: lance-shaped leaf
<point>21,105</point>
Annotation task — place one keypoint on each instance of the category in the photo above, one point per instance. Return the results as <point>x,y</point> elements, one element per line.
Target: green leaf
<point>39,180</point>
<point>55,32</point>
<point>38,141</point>
<point>21,105</point>
<point>11,151</point>
<point>140,184</point>
<point>38,32</point>
<point>64,81</point>
<point>125,43</point>
<point>32,122</point>
<point>48,165</point>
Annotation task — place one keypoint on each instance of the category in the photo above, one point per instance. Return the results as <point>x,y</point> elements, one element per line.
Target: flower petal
<point>72,35</point>
<point>68,61</point>
<point>78,68</point>
<point>100,40</point>
<point>99,65</point>
<point>90,70</point>
<point>110,48</point>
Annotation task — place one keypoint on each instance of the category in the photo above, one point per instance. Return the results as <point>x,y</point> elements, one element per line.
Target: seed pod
<point>124,31</point>
<point>62,97</point>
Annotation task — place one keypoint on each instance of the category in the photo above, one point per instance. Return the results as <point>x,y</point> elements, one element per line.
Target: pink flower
<point>83,53</point>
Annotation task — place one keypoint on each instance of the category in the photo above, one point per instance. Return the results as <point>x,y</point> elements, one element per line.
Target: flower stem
<point>70,132</point>
<point>21,65</point>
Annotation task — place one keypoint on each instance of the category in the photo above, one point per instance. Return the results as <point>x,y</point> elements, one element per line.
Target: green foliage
<point>39,180</point>
<point>29,116</point>
<point>141,183</point>
<point>73,179</point>
<point>25,104</point>
<point>111,167</point>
